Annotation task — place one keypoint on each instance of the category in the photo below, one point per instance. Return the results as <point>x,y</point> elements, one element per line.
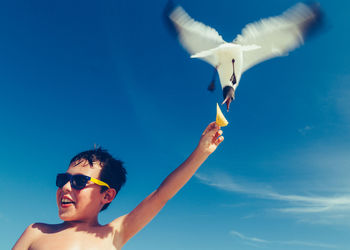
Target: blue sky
<point>75,74</point>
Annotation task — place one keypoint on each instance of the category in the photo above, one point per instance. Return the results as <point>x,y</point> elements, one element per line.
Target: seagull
<point>259,41</point>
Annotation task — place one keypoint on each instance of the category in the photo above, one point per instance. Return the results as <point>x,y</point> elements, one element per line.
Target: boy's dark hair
<point>112,172</point>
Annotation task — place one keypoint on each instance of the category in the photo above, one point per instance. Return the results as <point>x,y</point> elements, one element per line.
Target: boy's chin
<point>67,215</point>
<point>66,218</point>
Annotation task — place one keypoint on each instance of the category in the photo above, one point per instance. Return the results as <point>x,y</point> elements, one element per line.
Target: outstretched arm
<point>133,222</point>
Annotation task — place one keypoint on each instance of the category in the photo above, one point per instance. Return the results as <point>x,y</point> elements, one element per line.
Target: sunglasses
<point>77,181</point>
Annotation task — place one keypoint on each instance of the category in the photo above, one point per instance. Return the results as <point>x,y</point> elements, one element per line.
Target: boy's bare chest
<point>71,240</point>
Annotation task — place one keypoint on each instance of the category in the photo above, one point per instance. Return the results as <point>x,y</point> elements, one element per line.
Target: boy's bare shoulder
<point>34,230</point>
<point>32,233</point>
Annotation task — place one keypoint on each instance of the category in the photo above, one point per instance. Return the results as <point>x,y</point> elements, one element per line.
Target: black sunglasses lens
<point>62,179</point>
<point>79,181</point>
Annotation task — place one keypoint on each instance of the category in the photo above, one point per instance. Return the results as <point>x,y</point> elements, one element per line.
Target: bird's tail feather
<point>202,54</point>
<point>207,56</point>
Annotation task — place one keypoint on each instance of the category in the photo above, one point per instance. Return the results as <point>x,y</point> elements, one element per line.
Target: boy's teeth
<point>66,200</point>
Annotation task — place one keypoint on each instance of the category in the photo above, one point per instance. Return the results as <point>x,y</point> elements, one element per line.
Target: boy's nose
<point>67,187</point>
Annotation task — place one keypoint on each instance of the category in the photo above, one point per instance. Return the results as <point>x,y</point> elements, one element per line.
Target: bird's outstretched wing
<point>276,36</point>
<point>194,36</point>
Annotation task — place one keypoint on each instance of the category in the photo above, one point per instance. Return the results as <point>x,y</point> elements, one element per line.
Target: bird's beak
<point>229,95</point>
<point>229,98</point>
<point>228,101</point>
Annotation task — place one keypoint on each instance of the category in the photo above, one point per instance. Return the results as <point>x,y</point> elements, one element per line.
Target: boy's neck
<point>81,223</point>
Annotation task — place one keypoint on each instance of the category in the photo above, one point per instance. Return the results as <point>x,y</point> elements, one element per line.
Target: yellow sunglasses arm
<point>98,182</point>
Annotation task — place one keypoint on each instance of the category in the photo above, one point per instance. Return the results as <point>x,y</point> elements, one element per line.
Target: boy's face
<point>88,201</point>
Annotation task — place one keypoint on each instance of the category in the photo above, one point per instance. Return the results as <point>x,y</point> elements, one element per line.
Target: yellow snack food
<point>220,118</point>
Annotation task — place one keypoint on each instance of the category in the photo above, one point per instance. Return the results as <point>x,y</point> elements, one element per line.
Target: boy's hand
<point>210,139</point>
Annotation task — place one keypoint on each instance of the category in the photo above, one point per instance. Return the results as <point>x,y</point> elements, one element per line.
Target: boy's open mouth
<point>66,202</point>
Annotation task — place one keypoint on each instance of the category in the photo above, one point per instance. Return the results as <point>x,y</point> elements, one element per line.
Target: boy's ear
<point>109,195</point>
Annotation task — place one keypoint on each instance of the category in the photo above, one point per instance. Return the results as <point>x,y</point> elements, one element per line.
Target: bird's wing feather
<point>194,36</point>
<point>275,36</point>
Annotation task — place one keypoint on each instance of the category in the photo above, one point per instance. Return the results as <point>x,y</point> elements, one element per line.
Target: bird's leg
<point>233,77</point>
<point>211,86</point>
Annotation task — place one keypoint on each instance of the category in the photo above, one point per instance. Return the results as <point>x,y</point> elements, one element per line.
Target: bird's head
<point>229,96</point>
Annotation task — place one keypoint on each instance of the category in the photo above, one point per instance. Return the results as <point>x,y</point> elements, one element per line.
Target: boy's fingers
<point>210,127</point>
<point>218,133</point>
<point>212,132</point>
<point>219,140</point>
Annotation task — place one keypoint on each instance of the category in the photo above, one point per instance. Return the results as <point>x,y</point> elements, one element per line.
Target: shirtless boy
<point>80,199</point>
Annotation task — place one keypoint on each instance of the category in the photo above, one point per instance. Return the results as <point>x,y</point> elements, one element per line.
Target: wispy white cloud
<point>304,209</point>
<point>327,206</point>
<point>249,216</point>
<point>305,243</point>
<point>225,182</point>
<point>269,242</point>
<point>243,237</point>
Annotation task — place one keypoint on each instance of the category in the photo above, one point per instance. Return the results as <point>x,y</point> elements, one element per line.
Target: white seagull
<point>259,41</point>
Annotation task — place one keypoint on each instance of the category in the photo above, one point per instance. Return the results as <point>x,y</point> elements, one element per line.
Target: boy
<point>83,191</point>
